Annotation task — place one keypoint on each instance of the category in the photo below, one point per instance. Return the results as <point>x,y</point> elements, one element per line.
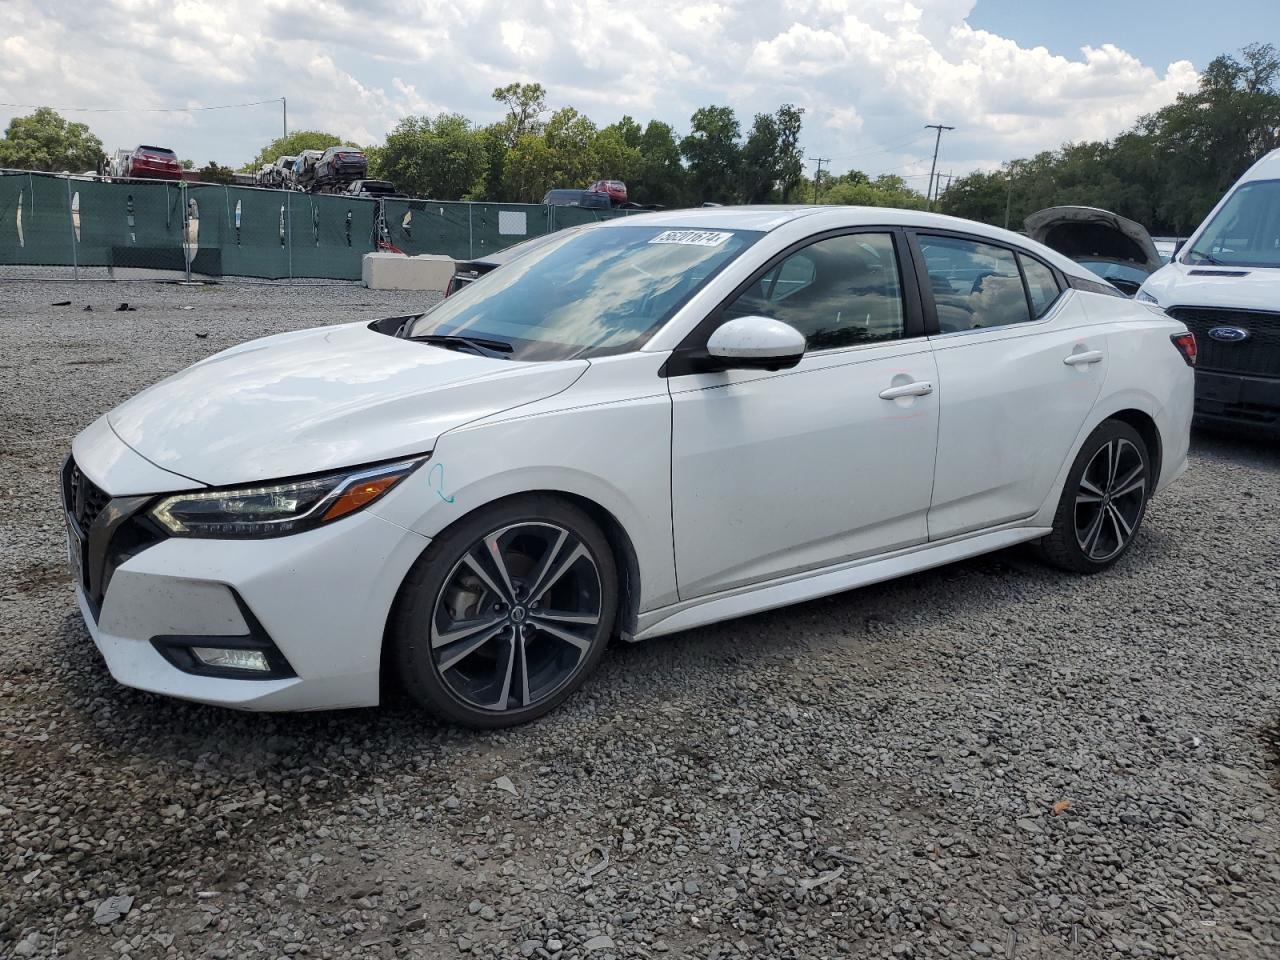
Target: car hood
<point>1230,288</point>
<point>321,399</point>
<point>1087,233</point>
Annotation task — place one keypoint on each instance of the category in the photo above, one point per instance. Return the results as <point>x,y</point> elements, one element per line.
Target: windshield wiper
<point>481,345</point>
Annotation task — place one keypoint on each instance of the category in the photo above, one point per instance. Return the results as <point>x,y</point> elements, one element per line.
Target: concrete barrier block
<point>395,271</point>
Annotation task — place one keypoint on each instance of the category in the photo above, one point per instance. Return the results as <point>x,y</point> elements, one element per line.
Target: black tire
<point>536,660</point>
<point>1089,537</point>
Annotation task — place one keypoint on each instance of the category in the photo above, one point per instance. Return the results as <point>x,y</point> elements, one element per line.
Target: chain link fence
<point>81,227</point>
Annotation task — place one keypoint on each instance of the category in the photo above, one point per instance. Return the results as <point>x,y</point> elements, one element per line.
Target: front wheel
<point>506,614</point>
<point>1103,501</point>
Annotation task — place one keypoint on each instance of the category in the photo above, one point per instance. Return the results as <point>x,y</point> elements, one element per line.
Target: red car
<point>616,189</point>
<point>155,163</point>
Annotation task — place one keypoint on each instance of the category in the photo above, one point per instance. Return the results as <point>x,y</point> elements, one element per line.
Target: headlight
<point>274,510</point>
<point>1143,297</point>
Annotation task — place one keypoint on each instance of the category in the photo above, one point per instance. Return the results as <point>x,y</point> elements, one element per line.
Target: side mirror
<point>756,343</point>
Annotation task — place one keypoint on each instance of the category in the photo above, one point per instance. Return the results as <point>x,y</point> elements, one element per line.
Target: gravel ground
<point>991,759</point>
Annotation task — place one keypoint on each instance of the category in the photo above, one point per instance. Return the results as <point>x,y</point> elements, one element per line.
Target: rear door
<point>1018,372</point>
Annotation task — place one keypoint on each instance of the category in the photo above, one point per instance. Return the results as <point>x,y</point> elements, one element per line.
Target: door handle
<point>921,388</point>
<point>1083,358</point>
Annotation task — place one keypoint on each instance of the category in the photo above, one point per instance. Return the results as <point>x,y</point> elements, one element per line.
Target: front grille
<point>85,499</point>
<point>124,532</point>
<point>1256,356</point>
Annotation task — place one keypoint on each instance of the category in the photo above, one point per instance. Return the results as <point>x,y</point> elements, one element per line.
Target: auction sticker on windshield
<point>697,238</point>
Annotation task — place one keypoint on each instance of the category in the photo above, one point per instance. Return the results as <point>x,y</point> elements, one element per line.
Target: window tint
<point>1041,284</point>
<point>975,285</point>
<point>837,292</point>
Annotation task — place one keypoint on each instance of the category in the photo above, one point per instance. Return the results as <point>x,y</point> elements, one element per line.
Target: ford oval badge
<point>1229,334</point>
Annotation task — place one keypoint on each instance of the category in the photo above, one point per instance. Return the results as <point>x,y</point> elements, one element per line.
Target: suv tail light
<point>1186,344</point>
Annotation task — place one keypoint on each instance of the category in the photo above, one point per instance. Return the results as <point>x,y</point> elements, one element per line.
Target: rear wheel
<point>1103,502</point>
<point>506,614</point>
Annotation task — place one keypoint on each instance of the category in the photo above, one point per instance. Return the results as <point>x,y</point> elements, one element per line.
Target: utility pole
<point>284,115</point>
<point>933,169</point>
<point>817,177</point>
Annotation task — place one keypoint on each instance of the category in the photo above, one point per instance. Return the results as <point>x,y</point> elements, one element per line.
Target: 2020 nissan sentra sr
<point>636,428</point>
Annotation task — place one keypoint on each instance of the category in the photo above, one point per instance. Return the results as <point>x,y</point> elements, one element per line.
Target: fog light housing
<point>250,656</point>
<point>229,659</point>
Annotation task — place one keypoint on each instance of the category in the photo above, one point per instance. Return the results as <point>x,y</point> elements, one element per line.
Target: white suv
<point>1224,284</point>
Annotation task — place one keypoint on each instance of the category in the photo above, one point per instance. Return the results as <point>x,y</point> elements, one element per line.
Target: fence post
<point>471,237</point>
<point>71,222</point>
<point>186,227</point>
<point>288,229</point>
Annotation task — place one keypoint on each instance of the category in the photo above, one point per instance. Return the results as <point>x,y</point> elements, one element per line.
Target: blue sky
<point>1155,32</point>
<point>1014,76</point>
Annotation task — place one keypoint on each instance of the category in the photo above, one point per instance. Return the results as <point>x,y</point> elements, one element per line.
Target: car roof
<point>1267,168</point>
<point>821,217</point>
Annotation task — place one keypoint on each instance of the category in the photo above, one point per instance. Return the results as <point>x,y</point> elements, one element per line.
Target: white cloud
<point>869,73</point>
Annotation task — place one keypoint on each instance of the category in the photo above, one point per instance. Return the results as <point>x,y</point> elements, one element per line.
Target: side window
<point>838,292</point>
<point>975,285</point>
<point>1041,285</point>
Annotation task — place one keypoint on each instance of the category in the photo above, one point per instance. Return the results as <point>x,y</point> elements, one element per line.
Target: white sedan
<point>636,428</point>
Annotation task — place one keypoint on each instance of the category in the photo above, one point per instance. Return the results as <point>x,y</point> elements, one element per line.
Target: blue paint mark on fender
<point>435,480</point>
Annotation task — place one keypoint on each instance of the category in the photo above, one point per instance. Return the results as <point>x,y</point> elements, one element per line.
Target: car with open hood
<point>630,429</point>
<point>1115,248</point>
<point>1224,284</point>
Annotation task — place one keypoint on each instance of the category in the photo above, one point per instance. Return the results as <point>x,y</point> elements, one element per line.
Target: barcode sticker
<point>697,238</point>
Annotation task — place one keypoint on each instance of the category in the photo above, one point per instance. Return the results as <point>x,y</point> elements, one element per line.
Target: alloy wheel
<point>1110,499</point>
<point>516,616</point>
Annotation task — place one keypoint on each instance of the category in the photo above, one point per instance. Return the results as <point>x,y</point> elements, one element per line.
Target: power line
<point>936,144</point>
<point>889,148</point>
<point>817,177</point>
<point>221,106</point>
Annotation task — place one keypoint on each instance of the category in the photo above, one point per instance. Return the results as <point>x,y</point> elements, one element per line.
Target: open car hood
<point>1087,233</point>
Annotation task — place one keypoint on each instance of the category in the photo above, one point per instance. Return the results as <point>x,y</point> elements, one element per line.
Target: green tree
<point>525,103</point>
<point>442,158</point>
<point>886,190</point>
<point>1166,172</point>
<point>529,170</point>
<point>44,140</point>
<point>661,176</point>
<point>212,172</point>
<point>713,154</point>
<point>790,171</point>
<point>291,146</point>
<point>569,135</point>
<point>758,162</point>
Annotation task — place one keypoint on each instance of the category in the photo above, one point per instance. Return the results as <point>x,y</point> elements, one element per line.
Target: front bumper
<point>1237,401</point>
<point>322,597</point>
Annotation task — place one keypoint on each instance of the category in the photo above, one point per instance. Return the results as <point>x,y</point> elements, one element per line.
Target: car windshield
<point>1111,270</point>
<point>1245,232</point>
<point>593,293</point>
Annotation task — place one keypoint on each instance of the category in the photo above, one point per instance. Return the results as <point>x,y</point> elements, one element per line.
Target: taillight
<point>1186,344</point>
<point>451,286</point>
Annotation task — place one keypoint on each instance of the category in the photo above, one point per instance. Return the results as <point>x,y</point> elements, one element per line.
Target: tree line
<point>1165,172</point>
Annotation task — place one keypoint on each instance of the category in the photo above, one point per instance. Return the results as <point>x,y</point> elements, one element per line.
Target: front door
<point>775,473</point>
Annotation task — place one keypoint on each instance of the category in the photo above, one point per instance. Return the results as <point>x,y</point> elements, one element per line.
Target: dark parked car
<point>373,188</point>
<point>155,163</point>
<point>340,164</point>
<point>1116,249</point>
<point>577,198</point>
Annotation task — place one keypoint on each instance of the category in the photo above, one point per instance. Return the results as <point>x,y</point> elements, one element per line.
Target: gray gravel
<point>991,759</point>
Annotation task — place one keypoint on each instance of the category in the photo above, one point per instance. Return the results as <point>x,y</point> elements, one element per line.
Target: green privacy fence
<point>81,222</point>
